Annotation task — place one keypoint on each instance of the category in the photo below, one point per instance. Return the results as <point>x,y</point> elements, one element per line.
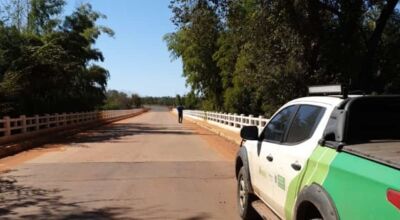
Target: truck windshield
<point>374,119</point>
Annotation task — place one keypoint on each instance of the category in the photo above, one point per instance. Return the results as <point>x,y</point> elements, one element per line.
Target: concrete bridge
<point>143,167</point>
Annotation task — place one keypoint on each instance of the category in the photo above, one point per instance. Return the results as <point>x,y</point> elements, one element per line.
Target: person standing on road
<point>180,113</point>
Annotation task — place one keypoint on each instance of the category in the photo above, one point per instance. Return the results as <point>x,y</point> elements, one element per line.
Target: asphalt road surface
<point>146,167</point>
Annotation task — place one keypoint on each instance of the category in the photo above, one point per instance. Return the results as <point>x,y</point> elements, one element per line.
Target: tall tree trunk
<point>369,65</point>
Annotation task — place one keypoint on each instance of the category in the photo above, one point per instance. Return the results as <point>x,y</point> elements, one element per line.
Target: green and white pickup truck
<point>323,158</point>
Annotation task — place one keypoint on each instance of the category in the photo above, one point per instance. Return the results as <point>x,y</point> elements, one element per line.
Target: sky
<point>137,57</point>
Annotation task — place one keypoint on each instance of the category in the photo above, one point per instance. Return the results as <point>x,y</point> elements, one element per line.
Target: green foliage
<point>191,101</point>
<point>264,53</point>
<point>47,66</point>
<point>178,100</point>
<point>116,100</point>
<point>165,101</point>
<point>136,101</point>
<point>42,15</point>
<point>196,42</point>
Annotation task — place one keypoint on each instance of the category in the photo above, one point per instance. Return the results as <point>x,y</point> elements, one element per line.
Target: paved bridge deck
<point>146,167</point>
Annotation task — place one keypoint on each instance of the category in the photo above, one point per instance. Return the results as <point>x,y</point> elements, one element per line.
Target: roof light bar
<point>330,89</point>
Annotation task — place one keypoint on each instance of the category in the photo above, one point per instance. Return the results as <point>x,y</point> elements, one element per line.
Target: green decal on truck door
<point>315,171</point>
<point>280,180</point>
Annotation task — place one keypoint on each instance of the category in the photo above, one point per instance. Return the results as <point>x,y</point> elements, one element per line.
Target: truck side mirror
<point>249,133</point>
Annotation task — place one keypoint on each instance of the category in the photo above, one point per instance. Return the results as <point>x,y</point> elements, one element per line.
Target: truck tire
<point>314,203</point>
<point>244,197</point>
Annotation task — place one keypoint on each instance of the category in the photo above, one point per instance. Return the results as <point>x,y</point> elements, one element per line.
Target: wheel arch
<point>242,161</point>
<point>314,198</point>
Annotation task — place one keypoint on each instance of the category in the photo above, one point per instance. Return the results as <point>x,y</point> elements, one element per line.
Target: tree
<point>370,70</point>
<point>136,100</point>
<point>165,101</point>
<point>42,17</point>
<point>48,69</point>
<point>191,101</point>
<point>14,13</point>
<point>178,100</point>
<point>196,42</point>
<point>117,100</point>
<point>268,52</point>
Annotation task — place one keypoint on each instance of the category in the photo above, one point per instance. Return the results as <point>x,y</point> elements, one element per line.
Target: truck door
<point>291,155</point>
<point>265,167</point>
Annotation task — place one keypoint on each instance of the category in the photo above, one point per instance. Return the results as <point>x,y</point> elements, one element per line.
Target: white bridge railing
<point>226,120</point>
<point>10,127</point>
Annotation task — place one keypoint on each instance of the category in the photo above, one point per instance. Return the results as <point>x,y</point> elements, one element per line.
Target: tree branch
<point>373,44</point>
<point>329,8</point>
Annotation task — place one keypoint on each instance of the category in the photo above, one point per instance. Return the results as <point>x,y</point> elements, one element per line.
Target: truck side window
<point>304,123</point>
<point>276,128</point>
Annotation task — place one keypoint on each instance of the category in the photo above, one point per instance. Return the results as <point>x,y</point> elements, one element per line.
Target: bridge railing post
<point>64,118</point>
<point>7,126</point>
<point>37,123</point>
<point>71,118</point>
<point>241,120</point>
<point>57,120</point>
<point>251,121</point>
<point>23,123</point>
<point>47,120</point>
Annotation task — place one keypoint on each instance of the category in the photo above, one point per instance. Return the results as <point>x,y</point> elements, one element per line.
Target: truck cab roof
<point>330,100</point>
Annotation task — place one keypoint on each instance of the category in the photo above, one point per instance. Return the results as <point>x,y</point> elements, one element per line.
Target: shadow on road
<point>38,203</point>
<point>114,132</point>
<point>26,202</point>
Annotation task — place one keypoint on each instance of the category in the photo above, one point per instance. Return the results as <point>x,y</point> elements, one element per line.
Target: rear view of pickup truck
<point>332,159</point>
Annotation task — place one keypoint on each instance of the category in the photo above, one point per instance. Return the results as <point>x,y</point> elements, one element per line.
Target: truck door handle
<point>296,166</point>
<point>270,158</point>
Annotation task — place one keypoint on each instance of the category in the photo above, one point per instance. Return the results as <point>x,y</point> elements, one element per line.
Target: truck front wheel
<point>244,197</point>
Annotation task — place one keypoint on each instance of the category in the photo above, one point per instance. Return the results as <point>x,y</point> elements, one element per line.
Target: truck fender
<point>311,197</point>
<point>242,160</point>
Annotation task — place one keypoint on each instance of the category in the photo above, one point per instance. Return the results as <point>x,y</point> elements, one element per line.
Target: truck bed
<point>385,152</point>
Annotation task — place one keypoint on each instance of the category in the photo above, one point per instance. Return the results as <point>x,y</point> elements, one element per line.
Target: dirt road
<point>147,167</point>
